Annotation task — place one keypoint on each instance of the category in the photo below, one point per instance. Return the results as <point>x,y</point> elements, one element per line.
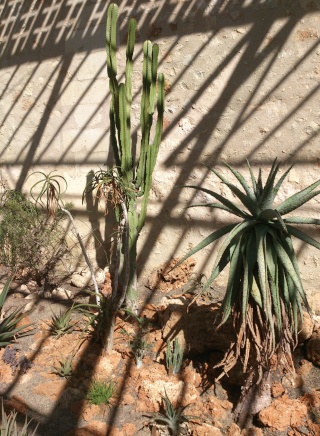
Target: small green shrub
<point>9,425</point>
<point>174,357</point>
<point>27,237</point>
<point>101,392</point>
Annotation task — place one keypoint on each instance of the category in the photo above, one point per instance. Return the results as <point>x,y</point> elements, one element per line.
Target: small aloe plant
<point>9,425</point>
<point>61,324</point>
<point>174,357</point>
<point>52,186</point>
<point>65,367</point>
<point>8,324</point>
<point>264,293</point>
<point>172,418</point>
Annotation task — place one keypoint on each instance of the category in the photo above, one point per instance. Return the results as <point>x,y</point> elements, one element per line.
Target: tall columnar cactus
<point>134,172</point>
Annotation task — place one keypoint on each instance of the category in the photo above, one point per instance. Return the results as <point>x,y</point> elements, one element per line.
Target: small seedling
<point>101,392</point>
<point>9,425</point>
<point>65,368</point>
<point>171,417</point>
<point>174,357</point>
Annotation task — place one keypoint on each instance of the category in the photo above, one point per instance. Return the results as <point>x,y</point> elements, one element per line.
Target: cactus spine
<point>136,174</point>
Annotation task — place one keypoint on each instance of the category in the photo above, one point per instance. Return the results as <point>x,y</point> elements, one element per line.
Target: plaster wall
<point>242,81</point>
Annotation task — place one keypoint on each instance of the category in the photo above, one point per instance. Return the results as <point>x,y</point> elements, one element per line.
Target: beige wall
<point>244,79</point>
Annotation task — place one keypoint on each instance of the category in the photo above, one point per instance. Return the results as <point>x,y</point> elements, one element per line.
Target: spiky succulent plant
<point>264,293</point>
<point>9,328</point>
<point>172,418</point>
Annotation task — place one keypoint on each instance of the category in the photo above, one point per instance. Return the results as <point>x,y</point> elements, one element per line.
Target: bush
<point>28,237</point>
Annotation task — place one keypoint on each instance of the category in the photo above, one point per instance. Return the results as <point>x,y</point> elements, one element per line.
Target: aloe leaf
<point>302,220</point>
<point>255,292</point>
<point>249,261</point>
<point>294,300</point>
<point>289,268</point>
<point>229,204</point>
<point>253,179</point>
<point>212,205</point>
<point>287,245</point>
<point>245,288</point>
<point>298,199</point>
<point>263,275</point>
<point>260,232</point>
<point>271,214</point>
<point>233,283</point>
<point>208,240</point>
<point>241,179</point>
<point>271,259</point>
<point>280,181</point>
<point>283,286</point>
<point>303,237</point>
<point>235,232</point>
<point>259,184</point>
<point>225,259</point>
<point>266,198</point>
<point>5,290</point>
<point>245,200</point>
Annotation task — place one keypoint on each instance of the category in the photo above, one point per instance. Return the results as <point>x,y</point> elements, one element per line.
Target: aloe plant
<point>52,186</point>
<point>9,426</point>
<point>264,293</point>
<point>174,357</point>
<point>8,324</point>
<point>65,367</point>
<point>61,324</point>
<point>127,185</point>
<point>172,418</point>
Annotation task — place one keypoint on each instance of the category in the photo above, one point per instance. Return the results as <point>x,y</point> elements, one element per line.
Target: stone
<point>89,412</point>
<point>283,413</point>
<point>129,429</point>
<point>62,294</point>
<point>233,430</point>
<point>79,280</point>
<point>277,390</point>
<point>206,430</point>
<point>31,297</point>
<point>83,278</point>
<point>24,289</point>
<point>51,389</point>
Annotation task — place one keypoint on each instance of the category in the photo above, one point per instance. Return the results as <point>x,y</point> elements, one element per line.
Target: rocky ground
<point>29,384</point>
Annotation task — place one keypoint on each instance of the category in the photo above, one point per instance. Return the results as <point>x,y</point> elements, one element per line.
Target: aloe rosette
<point>264,293</point>
<point>9,328</point>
